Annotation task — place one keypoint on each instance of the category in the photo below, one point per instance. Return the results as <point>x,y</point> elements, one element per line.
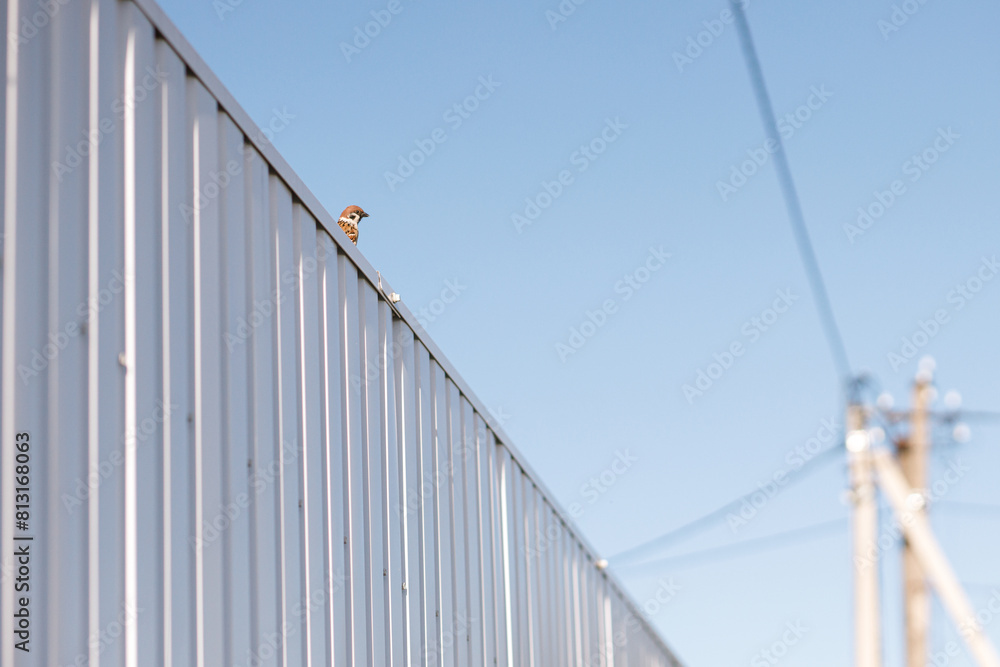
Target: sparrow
<point>349,220</point>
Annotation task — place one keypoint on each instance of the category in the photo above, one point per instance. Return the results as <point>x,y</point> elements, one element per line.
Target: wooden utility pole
<point>913,454</point>
<point>904,484</point>
<point>864,523</point>
<point>925,547</point>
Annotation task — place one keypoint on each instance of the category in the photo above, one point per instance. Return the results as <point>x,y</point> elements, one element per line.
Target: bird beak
<point>364,215</point>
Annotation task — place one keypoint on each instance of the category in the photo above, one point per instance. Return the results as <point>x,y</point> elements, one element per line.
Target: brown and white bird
<point>349,220</point>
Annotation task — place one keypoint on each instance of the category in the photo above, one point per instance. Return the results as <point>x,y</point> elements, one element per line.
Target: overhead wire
<point>972,508</point>
<point>755,545</point>
<point>704,522</point>
<point>795,215</point>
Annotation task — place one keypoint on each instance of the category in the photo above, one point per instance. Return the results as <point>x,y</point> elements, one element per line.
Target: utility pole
<point>903,481</point>
<point>864,523</point>
<point>913,453</point>
<point>918,532</point>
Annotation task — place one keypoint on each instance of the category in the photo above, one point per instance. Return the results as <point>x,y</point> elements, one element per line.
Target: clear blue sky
<point>656,185</point>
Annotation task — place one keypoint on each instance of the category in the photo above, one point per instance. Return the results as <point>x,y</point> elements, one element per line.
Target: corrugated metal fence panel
<point>242,452</point>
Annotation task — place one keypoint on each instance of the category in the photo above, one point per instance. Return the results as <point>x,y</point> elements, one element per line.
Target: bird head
<point>353,214</point>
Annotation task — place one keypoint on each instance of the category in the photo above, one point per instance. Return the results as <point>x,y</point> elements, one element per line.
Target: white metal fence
<point>225,445</point>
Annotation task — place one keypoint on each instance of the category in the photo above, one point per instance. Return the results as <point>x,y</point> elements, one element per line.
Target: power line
<point>972,508</point>
<point>985,415</point>
<point>787,538</point>
<point>979,585</point>
<point>704,522</point>
<point>827,319</point>
<point>946,416</point>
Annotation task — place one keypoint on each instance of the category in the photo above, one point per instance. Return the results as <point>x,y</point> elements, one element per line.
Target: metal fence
<point>221,443</point>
